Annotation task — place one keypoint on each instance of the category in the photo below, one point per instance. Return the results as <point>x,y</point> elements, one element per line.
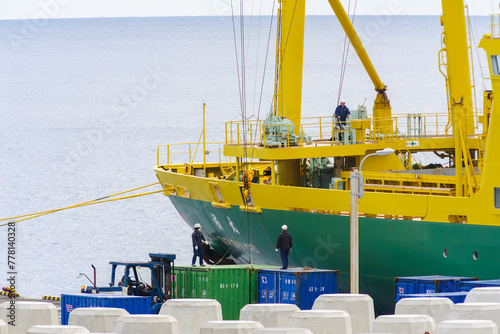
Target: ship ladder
<point>480,155</point>
<point>408,160</point>
<point>443,68</point>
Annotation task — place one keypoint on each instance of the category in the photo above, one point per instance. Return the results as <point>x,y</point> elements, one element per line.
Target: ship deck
<point>327,148</point>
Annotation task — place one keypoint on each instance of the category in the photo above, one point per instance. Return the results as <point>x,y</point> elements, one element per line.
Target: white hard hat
<point>342,101</point>
<point>197,226</point>
<point>284,227</point>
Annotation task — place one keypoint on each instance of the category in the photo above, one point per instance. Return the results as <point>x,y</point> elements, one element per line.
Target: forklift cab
<point>160,286</point>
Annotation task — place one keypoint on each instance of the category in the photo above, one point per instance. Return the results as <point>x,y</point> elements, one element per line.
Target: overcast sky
<point>26,9</point>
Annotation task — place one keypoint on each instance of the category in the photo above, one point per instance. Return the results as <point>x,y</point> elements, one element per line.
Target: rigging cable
<point>231,246</point>
<point>236,55</point>
<point>244,113</point>
<point>265,65</point>
<point>257,60</point>
<point>473,34</point>
<point>345,52</point>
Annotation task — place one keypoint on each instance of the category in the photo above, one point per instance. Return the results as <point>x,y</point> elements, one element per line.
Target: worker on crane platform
<point>341,114</point>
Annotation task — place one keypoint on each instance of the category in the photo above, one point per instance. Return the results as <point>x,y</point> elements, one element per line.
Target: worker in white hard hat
<point>198,241</point>
<point>341,114</point>
<point>284,245</point>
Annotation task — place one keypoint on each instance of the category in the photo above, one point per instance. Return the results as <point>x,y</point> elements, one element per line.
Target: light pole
<point>357,184</point>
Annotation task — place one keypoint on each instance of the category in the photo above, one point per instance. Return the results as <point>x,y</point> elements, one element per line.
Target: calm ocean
<point>85,102</point>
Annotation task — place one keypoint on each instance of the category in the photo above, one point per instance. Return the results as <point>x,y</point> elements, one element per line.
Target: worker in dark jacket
<point>341,114</point>
<point>198,241</point>
<point>284,244</point>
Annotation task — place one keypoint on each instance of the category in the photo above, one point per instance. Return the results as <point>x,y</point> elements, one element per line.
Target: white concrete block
<point>475,311</point>
<point>230,327</point>
<point>96,319</point>
<point>4,328</point>
<point>269,315</point>
<point>466,327</point>
<point>281,330</point>
<point>436,307</point>
<point>483,295</point>
<point>191,314</point>
<point>146,323</point>
<point>55,329</point>
<point>359,307</point>
<point>404,323</point>
<point>322,321</point>
<point>26,314</point>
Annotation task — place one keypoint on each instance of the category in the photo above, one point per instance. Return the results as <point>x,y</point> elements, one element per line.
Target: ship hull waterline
<point>389,248</point>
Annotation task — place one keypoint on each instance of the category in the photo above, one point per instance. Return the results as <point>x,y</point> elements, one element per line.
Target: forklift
<point>161,267</point>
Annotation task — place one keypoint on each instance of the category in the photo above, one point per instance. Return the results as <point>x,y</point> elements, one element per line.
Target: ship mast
<point>289,60</point>
<point>458,67</point>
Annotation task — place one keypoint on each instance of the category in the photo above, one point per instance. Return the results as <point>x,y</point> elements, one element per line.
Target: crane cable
<point>345,52</point>
<point>473,32</point>
<point>104,199</point>
<point>242,92</point>
<point>265,66</point>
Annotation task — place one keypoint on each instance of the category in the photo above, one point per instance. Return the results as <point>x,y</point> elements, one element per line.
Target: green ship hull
<point>388,248</point>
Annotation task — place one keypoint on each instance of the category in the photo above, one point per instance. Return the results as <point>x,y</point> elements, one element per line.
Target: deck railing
<point>191,153</point>
<point>495,25</point>
<point>398,127</point>
<point>312,130</point>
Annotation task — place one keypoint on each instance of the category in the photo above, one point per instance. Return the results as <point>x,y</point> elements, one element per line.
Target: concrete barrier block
<point>435,307</point>
<point>230,327</point>
<point>96,319</point>
<point>466,327</point>
<point>26,314</point>
<point>146,323</point>
<point>4,328</point>
<point>282,330</point>
<point>483,295</point>
<point>55,329</point>
<point>269,315</point>
<point>322,321</point>
<point>359,307</point>
<point>191,314</point>
<point>404,323</point>
<point>475,311</point>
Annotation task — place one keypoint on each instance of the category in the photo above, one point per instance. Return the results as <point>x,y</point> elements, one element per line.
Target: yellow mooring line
<point>92,202</point>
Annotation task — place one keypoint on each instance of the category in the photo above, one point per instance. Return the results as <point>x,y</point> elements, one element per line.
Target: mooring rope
<point>104,199</point>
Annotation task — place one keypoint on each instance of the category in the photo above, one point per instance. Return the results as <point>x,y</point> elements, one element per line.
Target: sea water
<point>85,102</point>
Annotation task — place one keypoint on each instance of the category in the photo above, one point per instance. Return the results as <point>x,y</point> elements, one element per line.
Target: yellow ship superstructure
<point>296,171</point>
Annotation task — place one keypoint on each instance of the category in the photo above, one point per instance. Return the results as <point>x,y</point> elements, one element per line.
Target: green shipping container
<point>233,286</point>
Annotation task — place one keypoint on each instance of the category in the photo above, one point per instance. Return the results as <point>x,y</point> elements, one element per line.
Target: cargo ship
<point>413,219</point>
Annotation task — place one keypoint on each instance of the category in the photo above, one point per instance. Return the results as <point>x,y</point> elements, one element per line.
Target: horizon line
<point>179,16</point>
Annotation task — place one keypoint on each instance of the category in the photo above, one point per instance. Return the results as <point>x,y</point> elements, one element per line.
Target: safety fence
<point>324,129</point>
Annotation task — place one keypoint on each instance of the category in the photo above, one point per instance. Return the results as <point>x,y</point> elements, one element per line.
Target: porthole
<point>445,253</point>
<point>475,255</point>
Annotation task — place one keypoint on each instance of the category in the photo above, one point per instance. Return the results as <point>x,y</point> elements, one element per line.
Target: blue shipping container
<point>429,284</point>
<point>296,286</point>
<point>133,304</point>
<point>469,285</point>
<point>456,297</point>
